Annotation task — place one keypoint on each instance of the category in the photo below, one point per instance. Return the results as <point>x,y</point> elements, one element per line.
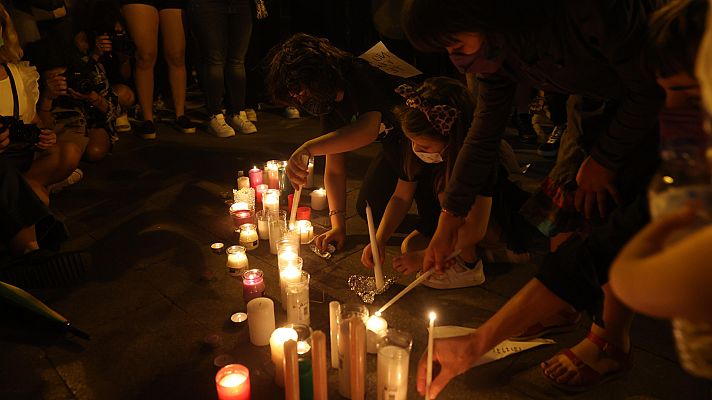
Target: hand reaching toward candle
<point>409,263</point>
<point>334,235</point>
<point>297,169</point>
<point>443,242</point>
<point>367,255</point>
<point>454,355</point>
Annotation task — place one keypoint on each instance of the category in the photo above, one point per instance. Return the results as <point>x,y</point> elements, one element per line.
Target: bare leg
<point>54,165</point>
<point>174,50</point>
<point>25,241</point>
<point>98,146</point>
<point>126,95</point>
<point>142,24</point>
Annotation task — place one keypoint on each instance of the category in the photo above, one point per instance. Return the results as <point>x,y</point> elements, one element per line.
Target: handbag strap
<point>15,97</point>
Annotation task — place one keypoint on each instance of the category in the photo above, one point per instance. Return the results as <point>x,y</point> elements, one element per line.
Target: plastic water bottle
<point>684,177</point>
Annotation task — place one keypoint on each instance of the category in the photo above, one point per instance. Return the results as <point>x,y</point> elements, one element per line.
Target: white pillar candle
<point>260,319</point>
<point>237,261</point>
<point>377,269</point>
<point>243,182</point>
<point>375,327</point>
<point>270,200</point>
<point>334,311</point>
<point>392,372</point>
<point>289,274</point>
<point>318,200</point>
<point>298,300</point>
<point>429,360</point>
<point>276,345</point>
<point>262,225</point>
<point>248,236</point>
<point>310,173</point>
<point>306,231</point>
<point>240,205</point>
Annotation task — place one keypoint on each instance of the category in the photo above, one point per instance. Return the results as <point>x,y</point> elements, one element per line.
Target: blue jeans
<point>223,29</point>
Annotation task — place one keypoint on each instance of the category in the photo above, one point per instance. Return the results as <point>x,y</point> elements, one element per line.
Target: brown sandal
<point>591,378</point>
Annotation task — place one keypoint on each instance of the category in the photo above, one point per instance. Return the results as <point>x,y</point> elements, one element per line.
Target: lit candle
<point>375,327</point>
<point>255,177</point>
<point>243,182</point>
<point>237,260</point>
<point>289,274</point>
<point>248,236</point>
<point>271,174</point>
<point>319,365</point>
<point>276,345</point>
<point>318,199</point>
<point>240,214</point>
<point>259,191</point>
<point>270,200</point>
<point>306,231</point>
<point>392,365</point>
<point>262,225</point>
<point>377,270</point>
<point>298,300</point>
<point>291,371</point>
<point>276,227</point>
<point>286,257</point>
<point>304,213</point>
<point>260,313</point>
<point>217,247</point>
<point>334,311</point>
<point>429,365</point>
<point>310,173</point>
<point>233,382</point>
<point>253,285</point>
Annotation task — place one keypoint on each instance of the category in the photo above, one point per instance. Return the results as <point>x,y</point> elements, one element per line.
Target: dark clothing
<point>369,89</point>
<point>19,205</point>
<point>588,47</point>
<point>223,28</point>
<point>157,4</point>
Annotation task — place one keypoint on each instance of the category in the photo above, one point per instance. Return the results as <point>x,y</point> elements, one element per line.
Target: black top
<point>590,47</point>
<point>366,89</point>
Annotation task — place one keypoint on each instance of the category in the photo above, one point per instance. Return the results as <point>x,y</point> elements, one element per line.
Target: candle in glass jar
<point>259,191</point>
<point>248,236</point>
<point>253,284</point>
<point>304,213</point>
<point>262,225</point>
<point>306,231</point>
<point>298,300</point>
<point>260,313</point>
<point>233,382</point>
<point>255,177</point>
<point>276,345</point>
<point>270,200</point>
<point>236,260</point>
<point>392,365</point>
<point>271,174</point>
<point>243,182</point>
<point>375,327</point>
<point>318,199</point>
<point>289,274</point>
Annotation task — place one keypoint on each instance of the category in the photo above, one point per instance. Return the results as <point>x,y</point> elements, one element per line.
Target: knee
<point>146,58</point>
<point>175,59</point>
<point>95,152</point>
<point>125,94</point>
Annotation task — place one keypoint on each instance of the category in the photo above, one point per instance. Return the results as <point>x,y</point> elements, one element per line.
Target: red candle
<point>290,200</point>
<point>258,192</point>
<point>303,213</point>
<point>233,382</point>
<point>255,176</point>
<point>253,284</point>
<point>240,215</point>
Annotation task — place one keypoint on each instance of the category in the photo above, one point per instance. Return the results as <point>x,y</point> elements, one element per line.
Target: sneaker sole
<point>148,135</point>
<point>188,130</point>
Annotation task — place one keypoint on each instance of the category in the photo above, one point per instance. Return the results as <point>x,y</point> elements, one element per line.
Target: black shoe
<point>526,130</point>
<point>42,269</point>
<point>185,124</point>
<point>551,147</point>
<point>147,130</point>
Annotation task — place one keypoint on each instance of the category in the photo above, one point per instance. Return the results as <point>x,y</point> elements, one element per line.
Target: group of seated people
<point>442,147</point>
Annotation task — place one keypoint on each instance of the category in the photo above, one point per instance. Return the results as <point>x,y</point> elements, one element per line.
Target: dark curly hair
<point>305,62</point>
<point>431,25</point>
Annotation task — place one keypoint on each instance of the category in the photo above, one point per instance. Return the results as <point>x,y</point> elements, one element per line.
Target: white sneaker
<point>218,127</point>
<point>241,125</point>
<point>122,124</point>
<point>458,277</point>
<point>250,114</point>
<point>75,177</point>
<point>291,113</point>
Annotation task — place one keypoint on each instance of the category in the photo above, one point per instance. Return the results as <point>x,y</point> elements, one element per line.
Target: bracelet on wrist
<point>451,213</point>
<point>335,212</point>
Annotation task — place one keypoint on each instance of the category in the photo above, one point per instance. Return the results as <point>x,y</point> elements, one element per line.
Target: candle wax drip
<point>365,286</point>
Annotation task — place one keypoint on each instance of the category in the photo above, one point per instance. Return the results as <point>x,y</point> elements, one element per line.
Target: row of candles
<point>353,335</point>
<point>273,176</point>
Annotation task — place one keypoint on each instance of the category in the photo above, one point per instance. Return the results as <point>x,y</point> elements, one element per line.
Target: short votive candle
<point>253,284</point>
<point>248,236</point>
<point>306,231</point>
<point>236,260</point>
<point>233,382</point>
<point>318,199</point>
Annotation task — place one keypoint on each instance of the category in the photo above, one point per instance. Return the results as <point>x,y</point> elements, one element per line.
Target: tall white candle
<point>310,174</point>
<point>375,327</point>
<point>392,372</point>
<point>351,317</point>
<point>270,200</point>
<point>377,269</point>
<point>276,345</point>
<point>262,225</point>
<point>334,311</point>
<point>318,200</point>
<point>429,365</point>
<point>260,319</point>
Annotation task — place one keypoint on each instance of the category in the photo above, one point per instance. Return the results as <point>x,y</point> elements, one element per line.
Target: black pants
<point>19,205</point>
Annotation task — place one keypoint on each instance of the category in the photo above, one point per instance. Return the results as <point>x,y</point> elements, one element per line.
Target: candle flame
<point>233,380</point>
<point>432,316</point>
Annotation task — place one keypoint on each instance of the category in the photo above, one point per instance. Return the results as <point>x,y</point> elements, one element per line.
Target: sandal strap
<point>585,372</point>
<point>613,351</point>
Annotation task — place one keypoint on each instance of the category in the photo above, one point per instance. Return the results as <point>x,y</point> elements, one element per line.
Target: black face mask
<point>317,107</point>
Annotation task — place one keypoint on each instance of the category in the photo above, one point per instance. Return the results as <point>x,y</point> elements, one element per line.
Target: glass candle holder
<point>304,213</point>
<point>271,174</point>
<point>259,191</point>
<point>347,313</point>
<point>253,284</point>
<point>284,185</point>
<point>262,224</point>
<point>392,370</point>
<point>276,345</point>
<point>298,300</point>
<point>233,382</point>
<point>236,260</point>
<point>270,200</point>
<point>376,327</point>
<point>255,177</point>
<point>287,251</point>
<point>289,273</point>
<point>248,236</point>
<point>277,226</point>
<point>241,214</point>
<point>306,231</point>
<point>304,346</point>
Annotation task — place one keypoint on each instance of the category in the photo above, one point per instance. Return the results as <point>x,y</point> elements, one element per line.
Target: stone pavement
<point>148,214</point>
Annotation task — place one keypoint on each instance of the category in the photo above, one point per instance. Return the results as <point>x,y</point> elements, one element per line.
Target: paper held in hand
<point>380,57</point>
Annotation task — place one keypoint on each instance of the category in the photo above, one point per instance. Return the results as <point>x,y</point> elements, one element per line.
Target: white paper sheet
<point>380,57</point>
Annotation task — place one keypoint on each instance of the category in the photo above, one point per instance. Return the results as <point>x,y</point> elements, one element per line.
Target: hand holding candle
<point>377,269</point>
<point>297,195</point>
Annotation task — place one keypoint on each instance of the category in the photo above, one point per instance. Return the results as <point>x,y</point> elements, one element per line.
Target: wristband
<point>335,212</point>
<point>451,213</point>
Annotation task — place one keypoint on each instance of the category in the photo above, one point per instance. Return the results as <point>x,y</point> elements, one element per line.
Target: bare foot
<point>563,370</point>
<point>409,263</point>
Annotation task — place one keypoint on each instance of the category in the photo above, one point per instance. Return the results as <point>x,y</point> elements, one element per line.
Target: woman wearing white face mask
<point>435,119</point>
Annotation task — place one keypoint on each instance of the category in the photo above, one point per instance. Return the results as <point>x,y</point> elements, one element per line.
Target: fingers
<point>319,241</point>
<point>367,257</point>
<point>422,371</point>
<point>440,381</point>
